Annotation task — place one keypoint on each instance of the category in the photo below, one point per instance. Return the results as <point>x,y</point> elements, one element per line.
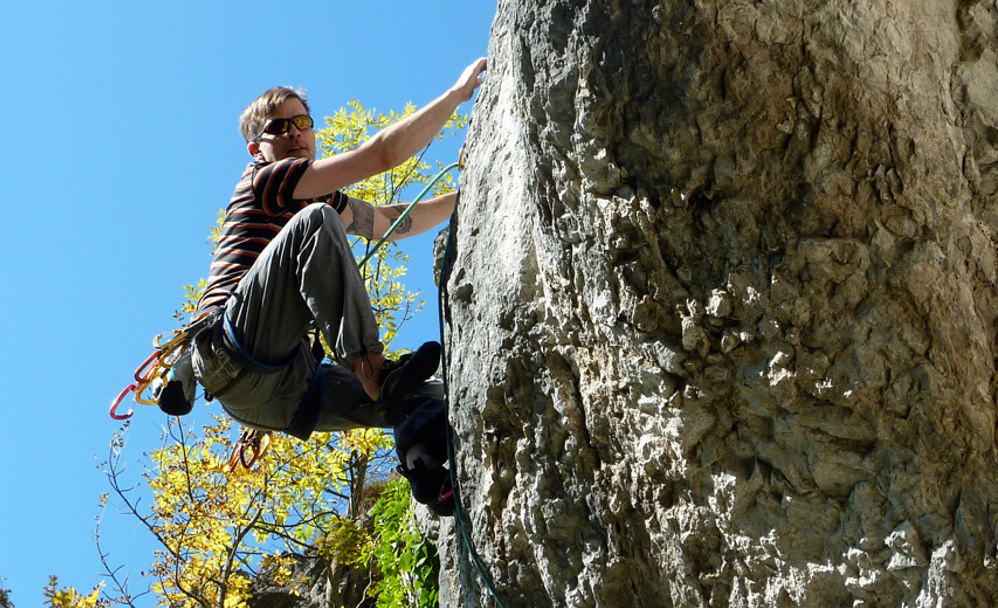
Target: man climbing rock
<point>283,262</point>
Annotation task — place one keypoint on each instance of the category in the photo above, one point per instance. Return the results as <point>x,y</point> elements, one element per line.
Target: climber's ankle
<point>368,370</point>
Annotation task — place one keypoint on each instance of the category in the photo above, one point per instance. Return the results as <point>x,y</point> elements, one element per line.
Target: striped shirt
<point>261,205</point>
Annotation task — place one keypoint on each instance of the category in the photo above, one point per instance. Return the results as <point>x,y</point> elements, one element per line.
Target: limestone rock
<point>722,307</point>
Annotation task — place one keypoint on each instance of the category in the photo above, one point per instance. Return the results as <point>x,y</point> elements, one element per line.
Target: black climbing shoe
<point>400,378</point>
<point>431,487</point>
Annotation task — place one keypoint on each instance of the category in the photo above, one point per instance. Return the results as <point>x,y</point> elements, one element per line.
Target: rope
<point>461,522</point>
<point>401,218</point>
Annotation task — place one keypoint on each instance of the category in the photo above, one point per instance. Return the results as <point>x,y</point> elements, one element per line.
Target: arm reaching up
<point>393,145</point>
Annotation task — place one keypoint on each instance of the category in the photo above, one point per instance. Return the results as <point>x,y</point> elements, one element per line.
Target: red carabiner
<point>146,367</point>
<point>242,455</point>
<point>117,401</point>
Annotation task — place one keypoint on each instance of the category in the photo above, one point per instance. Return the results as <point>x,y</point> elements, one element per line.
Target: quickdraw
<point>255,442</point>
<point>153,371</point>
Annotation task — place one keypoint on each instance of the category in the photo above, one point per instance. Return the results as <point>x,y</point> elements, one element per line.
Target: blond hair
<point>256,115</point>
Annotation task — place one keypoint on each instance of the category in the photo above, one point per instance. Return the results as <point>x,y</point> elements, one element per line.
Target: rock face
<point>722,311</point>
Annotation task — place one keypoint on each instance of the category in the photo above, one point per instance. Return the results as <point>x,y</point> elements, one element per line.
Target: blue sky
<point>121,146</point>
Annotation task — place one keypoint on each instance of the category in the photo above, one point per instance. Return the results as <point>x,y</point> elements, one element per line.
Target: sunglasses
<point>280,126</point>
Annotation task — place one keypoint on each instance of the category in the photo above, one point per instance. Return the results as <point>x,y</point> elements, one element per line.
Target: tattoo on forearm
<point>363,218</point>
<point>406,224</point>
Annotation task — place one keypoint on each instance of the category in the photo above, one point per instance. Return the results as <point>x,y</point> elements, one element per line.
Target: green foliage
<point>407,560</point>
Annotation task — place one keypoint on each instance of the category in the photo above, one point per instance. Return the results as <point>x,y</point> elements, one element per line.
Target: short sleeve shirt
<point>262,204</point>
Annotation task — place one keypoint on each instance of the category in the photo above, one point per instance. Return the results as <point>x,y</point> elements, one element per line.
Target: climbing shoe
<point>430,487</point>
<point>400,378</point>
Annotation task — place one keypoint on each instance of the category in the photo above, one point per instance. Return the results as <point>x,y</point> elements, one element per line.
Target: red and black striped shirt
<point>261,205</point>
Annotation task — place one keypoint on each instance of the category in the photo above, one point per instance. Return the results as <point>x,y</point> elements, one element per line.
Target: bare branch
<point>237,540</point>
<point>121,586</point>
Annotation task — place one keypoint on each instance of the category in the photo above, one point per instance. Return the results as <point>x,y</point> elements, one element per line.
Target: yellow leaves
<point>238,592</point>
<point>365,441</point>
<point>213,524</point>
<point>192,293</point>
<point>68,597</point>
<point>280,569</point>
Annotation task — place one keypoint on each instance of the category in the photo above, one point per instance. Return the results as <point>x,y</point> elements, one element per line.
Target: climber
<point>283,262</point>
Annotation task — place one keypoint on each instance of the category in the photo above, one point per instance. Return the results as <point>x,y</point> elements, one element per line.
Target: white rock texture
<point>722,308</point>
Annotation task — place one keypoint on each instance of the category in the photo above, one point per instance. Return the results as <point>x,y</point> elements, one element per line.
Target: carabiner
<point>117,401</point>
<point>242,456</point>
<point>140,393</point>
<point>142,372</point>
<point>175,336</point>
<point>256,442</point>
<point>259,444</point>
